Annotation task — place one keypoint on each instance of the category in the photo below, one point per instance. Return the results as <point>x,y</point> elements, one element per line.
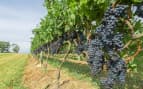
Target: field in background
<point>11,70</point>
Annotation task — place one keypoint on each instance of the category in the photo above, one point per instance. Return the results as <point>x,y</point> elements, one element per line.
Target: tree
<point>4,47</point>
<point>15,48</point>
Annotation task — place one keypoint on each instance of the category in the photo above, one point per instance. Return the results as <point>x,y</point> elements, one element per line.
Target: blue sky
<point>18,18</point>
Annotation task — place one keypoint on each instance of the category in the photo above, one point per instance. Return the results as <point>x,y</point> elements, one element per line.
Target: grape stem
<point>115,3</point>
<point>89,37</point>
<point>129,12</point>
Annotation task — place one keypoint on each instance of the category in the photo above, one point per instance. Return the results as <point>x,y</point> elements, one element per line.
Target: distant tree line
<point>6,47</point>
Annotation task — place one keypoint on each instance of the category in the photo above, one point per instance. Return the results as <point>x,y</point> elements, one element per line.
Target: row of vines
<point>107,32</point>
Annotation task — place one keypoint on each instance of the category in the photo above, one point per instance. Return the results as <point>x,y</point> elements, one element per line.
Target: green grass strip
<point>11,71</point>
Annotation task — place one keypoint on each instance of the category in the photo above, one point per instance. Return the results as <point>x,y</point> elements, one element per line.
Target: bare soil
<point>35,77</point>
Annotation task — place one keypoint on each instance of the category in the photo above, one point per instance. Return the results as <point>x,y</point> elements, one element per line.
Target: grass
<point>5,54</point>
<point>81,71</point>
<point>11,71</point>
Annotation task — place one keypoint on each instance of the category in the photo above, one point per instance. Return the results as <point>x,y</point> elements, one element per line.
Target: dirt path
<point>36,78</point>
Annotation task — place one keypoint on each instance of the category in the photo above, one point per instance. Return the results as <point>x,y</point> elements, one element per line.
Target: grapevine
<point>102,43</point>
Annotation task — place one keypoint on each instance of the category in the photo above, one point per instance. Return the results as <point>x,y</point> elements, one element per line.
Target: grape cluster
<point>107,83</point>
<point>139,11</point>
<point>116,73</point>
<point>81,45</point>
<point>80,48</point>
<point>56,44</point>
<point>108,40</point>
<point>96,59</point>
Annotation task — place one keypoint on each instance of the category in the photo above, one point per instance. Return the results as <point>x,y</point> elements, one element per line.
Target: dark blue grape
<point>107,40</point>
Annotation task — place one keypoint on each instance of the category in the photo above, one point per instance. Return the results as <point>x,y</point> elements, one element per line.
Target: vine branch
<point>60,67</point>
<point>130,26</point>
<point>127,44</point>
<point>139,49</point>
<point>134,36</point>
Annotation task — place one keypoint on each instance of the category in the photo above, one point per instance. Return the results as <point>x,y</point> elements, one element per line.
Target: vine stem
<point>127,44</point>
<point>139,49</point>
<point>48,52</point>
<point>47,56</point>
<point>130,26</point>
<point>129,12</point>
<point>46,65</point>
<point>115,3</point>
<point>134,36</point>
<point>41,58</point>
<point>75,42</point>
<point>60,67</point>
